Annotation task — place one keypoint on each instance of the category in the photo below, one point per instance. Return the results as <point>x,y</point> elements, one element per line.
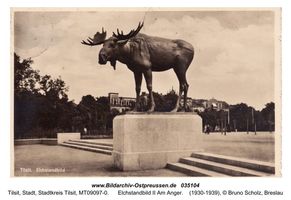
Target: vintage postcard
<point>147,92</point>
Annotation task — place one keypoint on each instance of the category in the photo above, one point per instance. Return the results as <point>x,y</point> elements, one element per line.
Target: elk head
<point>111,46</point>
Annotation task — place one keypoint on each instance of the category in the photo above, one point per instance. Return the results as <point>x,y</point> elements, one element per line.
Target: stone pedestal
<point>150,141</point>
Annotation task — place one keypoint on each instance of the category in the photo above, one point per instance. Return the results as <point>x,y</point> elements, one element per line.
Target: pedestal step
<point>103,143</point>
<point>240,162</point>
<point>90,144</point>
<point>193,171</point>
<point>96,147</point>
<point>206,164</point>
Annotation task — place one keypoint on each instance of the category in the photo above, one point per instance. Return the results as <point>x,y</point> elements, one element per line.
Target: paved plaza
<point>45,160</point>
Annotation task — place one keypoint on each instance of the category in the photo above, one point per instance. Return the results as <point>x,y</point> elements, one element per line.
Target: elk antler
<point>131,34</point>
<point>98,38</point>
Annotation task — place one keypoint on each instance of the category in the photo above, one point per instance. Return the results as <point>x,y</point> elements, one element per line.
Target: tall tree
<point>25,78</point>
<point>268,114</point>
<point>54,89</point>
<point>40,102</point>
<point>88,111</point>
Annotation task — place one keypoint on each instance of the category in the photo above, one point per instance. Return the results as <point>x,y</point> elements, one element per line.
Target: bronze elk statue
<point>144,54</point>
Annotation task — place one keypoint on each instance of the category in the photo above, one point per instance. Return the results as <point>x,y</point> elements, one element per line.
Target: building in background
<point>216,105</point>
<point>198,105</point>
<point>121,104</point>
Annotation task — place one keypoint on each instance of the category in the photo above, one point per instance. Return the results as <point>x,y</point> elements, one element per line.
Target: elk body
<point>144,54</point>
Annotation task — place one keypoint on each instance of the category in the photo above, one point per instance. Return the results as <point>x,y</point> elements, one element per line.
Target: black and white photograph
<point>146,92</point>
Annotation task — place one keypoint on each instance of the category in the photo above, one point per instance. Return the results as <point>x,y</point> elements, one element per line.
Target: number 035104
<point>190,185</point>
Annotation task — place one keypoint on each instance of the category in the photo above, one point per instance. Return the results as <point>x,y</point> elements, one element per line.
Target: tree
<point>268,114</point>
<point>25,78</point>
<point>40,102</point>
<point>105,116</point>
<point>209,117</point>
<point>55,110</point>
<point>165,103</point>
<point>170,100</point>
<point>240,117</point>
<point>66,112</point>
<point>25,96</point>
<point>54,89</point>
<point>112,115</point>
<point>88,111</point>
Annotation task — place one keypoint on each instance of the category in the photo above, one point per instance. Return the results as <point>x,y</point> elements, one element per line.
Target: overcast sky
<point>233,62</point>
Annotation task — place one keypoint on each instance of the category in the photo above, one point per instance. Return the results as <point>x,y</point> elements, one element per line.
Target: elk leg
<point>148,77</point>
<point>138,80</point>
<point>179,99</point>
<point>185,87</point>
<point>181,75</point>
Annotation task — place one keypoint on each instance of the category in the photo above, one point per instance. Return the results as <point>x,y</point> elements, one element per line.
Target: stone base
<point>68,136</point>
<point>47,141</point>
<point>150,141</point>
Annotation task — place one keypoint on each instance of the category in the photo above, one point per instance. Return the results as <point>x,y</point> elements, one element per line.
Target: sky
<point>234,57</point>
